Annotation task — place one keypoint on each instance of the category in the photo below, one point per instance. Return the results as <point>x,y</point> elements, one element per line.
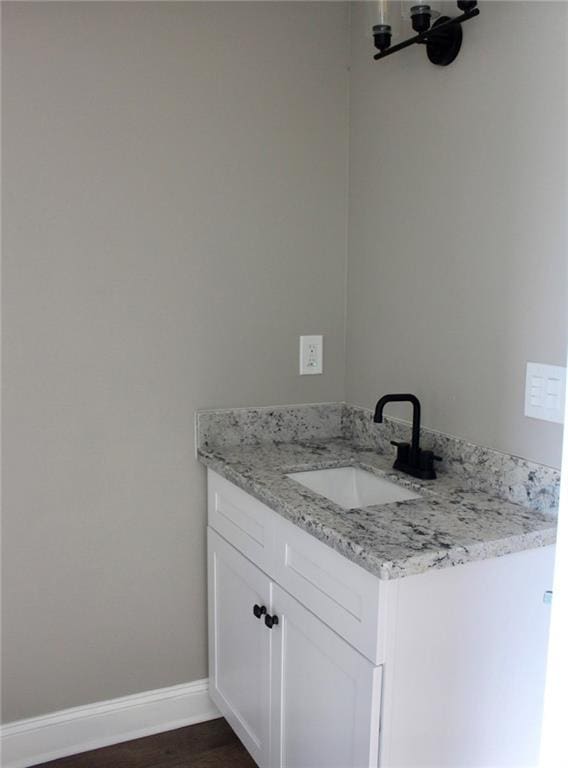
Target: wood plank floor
<point>205,745</point>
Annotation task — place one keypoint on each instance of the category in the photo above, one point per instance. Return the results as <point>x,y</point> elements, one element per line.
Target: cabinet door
<point>325,695</point>
<point>239,645</point>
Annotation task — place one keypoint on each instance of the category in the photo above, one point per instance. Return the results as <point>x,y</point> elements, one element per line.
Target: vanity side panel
<point>465,670</point>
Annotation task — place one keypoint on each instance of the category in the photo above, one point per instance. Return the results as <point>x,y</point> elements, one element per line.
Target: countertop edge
<point>385,570</point>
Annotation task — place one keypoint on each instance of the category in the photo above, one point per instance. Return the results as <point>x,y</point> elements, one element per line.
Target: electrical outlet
<point>545,391</point>
<point>311,355</point>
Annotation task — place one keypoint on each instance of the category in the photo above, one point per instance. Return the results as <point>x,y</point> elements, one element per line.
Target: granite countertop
<point>451,523</point>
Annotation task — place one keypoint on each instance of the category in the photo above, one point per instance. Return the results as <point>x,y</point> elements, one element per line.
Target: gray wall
<point>174,217</point>
<point>457,247</point>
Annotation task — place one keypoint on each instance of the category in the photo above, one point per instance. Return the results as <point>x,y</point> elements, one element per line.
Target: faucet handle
<point>427,459</point>
<point>402,450</point>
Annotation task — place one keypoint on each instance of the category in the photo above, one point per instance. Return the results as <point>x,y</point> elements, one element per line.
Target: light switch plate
<point>545,391</point>
<point>311,355</point>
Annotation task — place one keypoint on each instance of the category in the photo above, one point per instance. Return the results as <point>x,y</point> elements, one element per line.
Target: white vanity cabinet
<point>296,694</point>
<point>445,668</point>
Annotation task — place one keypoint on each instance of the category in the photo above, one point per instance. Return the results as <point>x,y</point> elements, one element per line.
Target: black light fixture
<point>442,39</point>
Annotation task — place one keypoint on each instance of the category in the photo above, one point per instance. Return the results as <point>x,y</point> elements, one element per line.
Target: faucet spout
<point>410,458</point>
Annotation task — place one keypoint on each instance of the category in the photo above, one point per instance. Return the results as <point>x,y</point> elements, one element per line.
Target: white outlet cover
<point>311,355</point>
<point>545,391</point>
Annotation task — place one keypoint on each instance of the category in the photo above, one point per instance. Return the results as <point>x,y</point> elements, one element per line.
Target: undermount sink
<point>352,488</point>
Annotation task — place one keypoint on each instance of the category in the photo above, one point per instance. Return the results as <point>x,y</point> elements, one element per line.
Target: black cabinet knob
<point>259,610</point>
<point>270,621</point>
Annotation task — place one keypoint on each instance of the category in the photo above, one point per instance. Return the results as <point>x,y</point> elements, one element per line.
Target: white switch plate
<point>545,391</point>
<point>311,355</point>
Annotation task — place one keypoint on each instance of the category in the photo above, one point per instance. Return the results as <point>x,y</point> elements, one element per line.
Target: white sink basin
<point>352,488</point>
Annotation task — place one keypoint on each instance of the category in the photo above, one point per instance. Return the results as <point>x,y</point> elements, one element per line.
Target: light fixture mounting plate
<point>443,46</point>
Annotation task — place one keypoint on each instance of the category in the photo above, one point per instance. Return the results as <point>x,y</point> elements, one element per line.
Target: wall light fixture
<point>442,39</point>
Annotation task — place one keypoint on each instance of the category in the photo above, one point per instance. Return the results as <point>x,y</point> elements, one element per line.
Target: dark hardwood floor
<point>206,745</point>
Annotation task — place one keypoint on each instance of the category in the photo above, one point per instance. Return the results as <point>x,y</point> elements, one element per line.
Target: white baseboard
<point>69,731</point>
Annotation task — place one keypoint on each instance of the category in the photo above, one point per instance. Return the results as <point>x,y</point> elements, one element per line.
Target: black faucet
<point>409,458</point>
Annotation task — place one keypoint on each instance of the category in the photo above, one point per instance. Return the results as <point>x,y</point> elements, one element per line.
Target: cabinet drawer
<point>241,519</point>
<point>339,592</point>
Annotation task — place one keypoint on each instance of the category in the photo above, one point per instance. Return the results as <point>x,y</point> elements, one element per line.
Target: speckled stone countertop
<point>452,522</point>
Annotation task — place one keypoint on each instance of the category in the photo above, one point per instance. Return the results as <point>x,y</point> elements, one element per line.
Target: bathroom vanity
<point>406,633</point>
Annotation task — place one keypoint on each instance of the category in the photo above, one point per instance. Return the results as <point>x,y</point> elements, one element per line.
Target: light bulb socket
<point>382,36</point>
<point>466,5</point>
<point>421,16</point>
